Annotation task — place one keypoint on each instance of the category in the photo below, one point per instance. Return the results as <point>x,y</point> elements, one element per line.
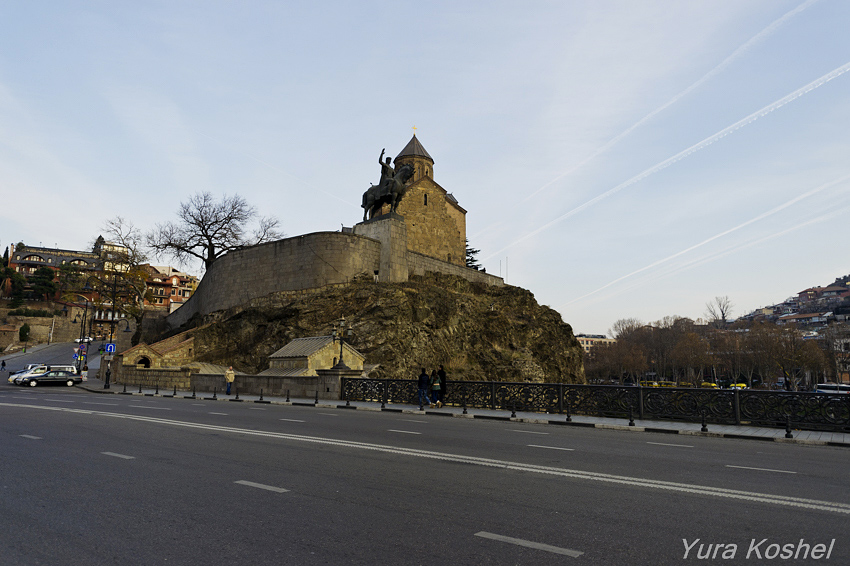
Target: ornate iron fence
<point>810,411</point>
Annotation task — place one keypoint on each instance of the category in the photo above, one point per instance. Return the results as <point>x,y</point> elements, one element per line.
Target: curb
<point>604,426</point>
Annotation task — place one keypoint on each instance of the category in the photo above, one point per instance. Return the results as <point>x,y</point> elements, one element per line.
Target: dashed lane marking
<point>262,486</point>
<point>551,447</point>
<point>116,455</point>
<point>403,431</point>
<point>761,469</point>
<point>147,407</point>
<point>666,444</point>
<point>218,413</point>
<point>531,544</point>
<point>293,420</point>
<point>31,437</point>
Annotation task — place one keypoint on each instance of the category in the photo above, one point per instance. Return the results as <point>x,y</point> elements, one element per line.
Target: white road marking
<point>124,456</point>
<point>761,469</point>
<point>262,486</point>
<point>527,431</point>
<point>329,414</point>
<point>412,421</point>
<point>257,408</point>
<point>59,401</point>
<point>403,431</point>
<point>292,420</point>
<point>551,447</point>
<point>218,413</point>
<point>96,403</point>
<point>722,492</point>
<point>31,437</point>
<point>146,407</point>
<point>530,544</point>
<point>665,444</point>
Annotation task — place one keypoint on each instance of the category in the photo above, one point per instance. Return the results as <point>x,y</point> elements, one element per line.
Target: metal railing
<point>806,411</point>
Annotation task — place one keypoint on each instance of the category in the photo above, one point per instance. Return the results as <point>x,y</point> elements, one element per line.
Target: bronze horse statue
<point>389,192</point>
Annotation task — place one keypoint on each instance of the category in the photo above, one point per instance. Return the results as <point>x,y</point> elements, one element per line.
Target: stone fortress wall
<point>292,264</point>
<point>312,261</point>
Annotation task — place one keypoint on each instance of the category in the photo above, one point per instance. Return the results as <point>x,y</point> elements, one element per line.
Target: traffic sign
<point>82,347</point>
<point>110,348</point>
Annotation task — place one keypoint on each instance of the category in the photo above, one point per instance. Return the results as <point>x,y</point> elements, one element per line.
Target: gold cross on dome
<point>414,130</point>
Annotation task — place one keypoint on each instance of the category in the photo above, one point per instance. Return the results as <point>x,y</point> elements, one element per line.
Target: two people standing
<point>435,384</point>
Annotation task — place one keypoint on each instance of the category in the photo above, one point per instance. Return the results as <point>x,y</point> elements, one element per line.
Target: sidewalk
<point>822,438</point>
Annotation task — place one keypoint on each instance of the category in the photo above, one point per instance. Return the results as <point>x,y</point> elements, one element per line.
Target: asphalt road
<point>113,479</point>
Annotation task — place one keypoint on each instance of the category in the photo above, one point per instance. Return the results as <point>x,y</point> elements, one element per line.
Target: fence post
<point>560,398</point>
<point>737,402</point>
<point>493,395</point>
<point>640,401</point>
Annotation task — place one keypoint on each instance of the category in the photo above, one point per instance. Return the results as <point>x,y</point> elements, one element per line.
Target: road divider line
<point>702,490</point>
<point>667,444</point>
<point>329,414</point>
<point>146,407</point>
<point>218,414</point>
<point>761,469</point>
<point>551,447</point>
<point>293,420</point>
<point>116,455</point>
<point>31,437</point>
<point>403,431</point>
<point>262,486</point>
<point>530,544</point>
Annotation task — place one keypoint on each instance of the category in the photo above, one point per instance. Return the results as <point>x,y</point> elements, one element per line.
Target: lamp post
<point>342,328</point>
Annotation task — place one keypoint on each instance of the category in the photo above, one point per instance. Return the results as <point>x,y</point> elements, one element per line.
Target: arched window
<point>144,361</point>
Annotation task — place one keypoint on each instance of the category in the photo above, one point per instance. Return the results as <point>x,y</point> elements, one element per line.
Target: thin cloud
<point>686,152</point>
<point>760,36</point>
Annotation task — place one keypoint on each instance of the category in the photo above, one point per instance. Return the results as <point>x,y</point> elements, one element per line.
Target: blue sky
<point>617,158</point>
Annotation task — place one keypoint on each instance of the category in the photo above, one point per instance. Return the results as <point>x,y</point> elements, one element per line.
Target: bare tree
<point>624,327</point>
<point>719,310</point>
<point>208,228</point>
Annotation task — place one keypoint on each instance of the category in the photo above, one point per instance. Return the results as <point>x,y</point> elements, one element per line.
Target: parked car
<point>87,339</point>
<point>52,377</point>
<point>708,385</point>
<point>30,370</point>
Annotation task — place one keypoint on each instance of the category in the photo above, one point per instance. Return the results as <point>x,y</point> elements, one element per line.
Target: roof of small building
<point>301,347</point>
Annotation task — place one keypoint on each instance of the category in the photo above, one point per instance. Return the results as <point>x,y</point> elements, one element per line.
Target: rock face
<point>477,332</point>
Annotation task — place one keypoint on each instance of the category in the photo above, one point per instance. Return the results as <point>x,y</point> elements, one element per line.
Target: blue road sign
<point>110,348</point>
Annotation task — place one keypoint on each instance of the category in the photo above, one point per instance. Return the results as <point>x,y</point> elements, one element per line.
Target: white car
<point>87,339</point>
<point>30,370</point>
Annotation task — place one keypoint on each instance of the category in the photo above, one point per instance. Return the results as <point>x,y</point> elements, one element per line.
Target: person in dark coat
<point>442,375</point>
<point>423,388</point>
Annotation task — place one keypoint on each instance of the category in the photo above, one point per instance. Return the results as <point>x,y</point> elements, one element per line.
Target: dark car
<point>53,377</point>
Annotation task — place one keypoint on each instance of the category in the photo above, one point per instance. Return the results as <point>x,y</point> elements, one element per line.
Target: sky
<point>619,159</point>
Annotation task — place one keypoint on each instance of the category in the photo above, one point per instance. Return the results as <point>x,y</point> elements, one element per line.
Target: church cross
<point>414,130</point>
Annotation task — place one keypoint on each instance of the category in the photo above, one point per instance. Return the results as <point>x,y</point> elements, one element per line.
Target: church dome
<point>414,149</point>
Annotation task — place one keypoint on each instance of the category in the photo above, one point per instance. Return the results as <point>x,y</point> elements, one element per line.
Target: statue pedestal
<point>391,231</point>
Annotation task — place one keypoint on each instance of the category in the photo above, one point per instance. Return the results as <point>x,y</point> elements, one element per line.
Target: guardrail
<point>806,411</point>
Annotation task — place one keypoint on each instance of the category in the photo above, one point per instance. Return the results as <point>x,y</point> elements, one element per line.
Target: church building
<point>435,222</point>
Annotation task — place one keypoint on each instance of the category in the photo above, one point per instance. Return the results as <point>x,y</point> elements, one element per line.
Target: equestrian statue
<point>390,188</point>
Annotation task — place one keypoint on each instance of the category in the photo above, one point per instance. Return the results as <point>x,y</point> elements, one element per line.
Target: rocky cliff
<point>478,332</point>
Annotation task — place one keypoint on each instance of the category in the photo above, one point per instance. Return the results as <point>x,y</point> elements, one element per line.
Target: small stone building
<point>304,356</point>
<point>176,351</point>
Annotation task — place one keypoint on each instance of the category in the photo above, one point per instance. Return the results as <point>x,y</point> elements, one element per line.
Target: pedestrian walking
<point>441,373</point>
<point>423,388</point>
<point>3,366</point>
<point>435,390</point>
<point>229,376</point>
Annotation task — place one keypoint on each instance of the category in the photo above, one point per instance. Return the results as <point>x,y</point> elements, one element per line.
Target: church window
<point>426,200</point>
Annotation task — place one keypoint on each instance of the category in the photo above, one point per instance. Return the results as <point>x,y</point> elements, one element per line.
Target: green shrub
<point>31,312</point>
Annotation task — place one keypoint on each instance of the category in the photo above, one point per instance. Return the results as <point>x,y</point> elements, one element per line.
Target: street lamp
<point>341,330</point>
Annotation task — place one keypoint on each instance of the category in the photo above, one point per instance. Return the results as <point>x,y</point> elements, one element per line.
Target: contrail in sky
<point>758,218</point>
<point>723,64</point>
<point>723,253</point>
<point>685,153</point>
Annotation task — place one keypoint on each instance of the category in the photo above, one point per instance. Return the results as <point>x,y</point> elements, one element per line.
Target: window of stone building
<point>426,200</point>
